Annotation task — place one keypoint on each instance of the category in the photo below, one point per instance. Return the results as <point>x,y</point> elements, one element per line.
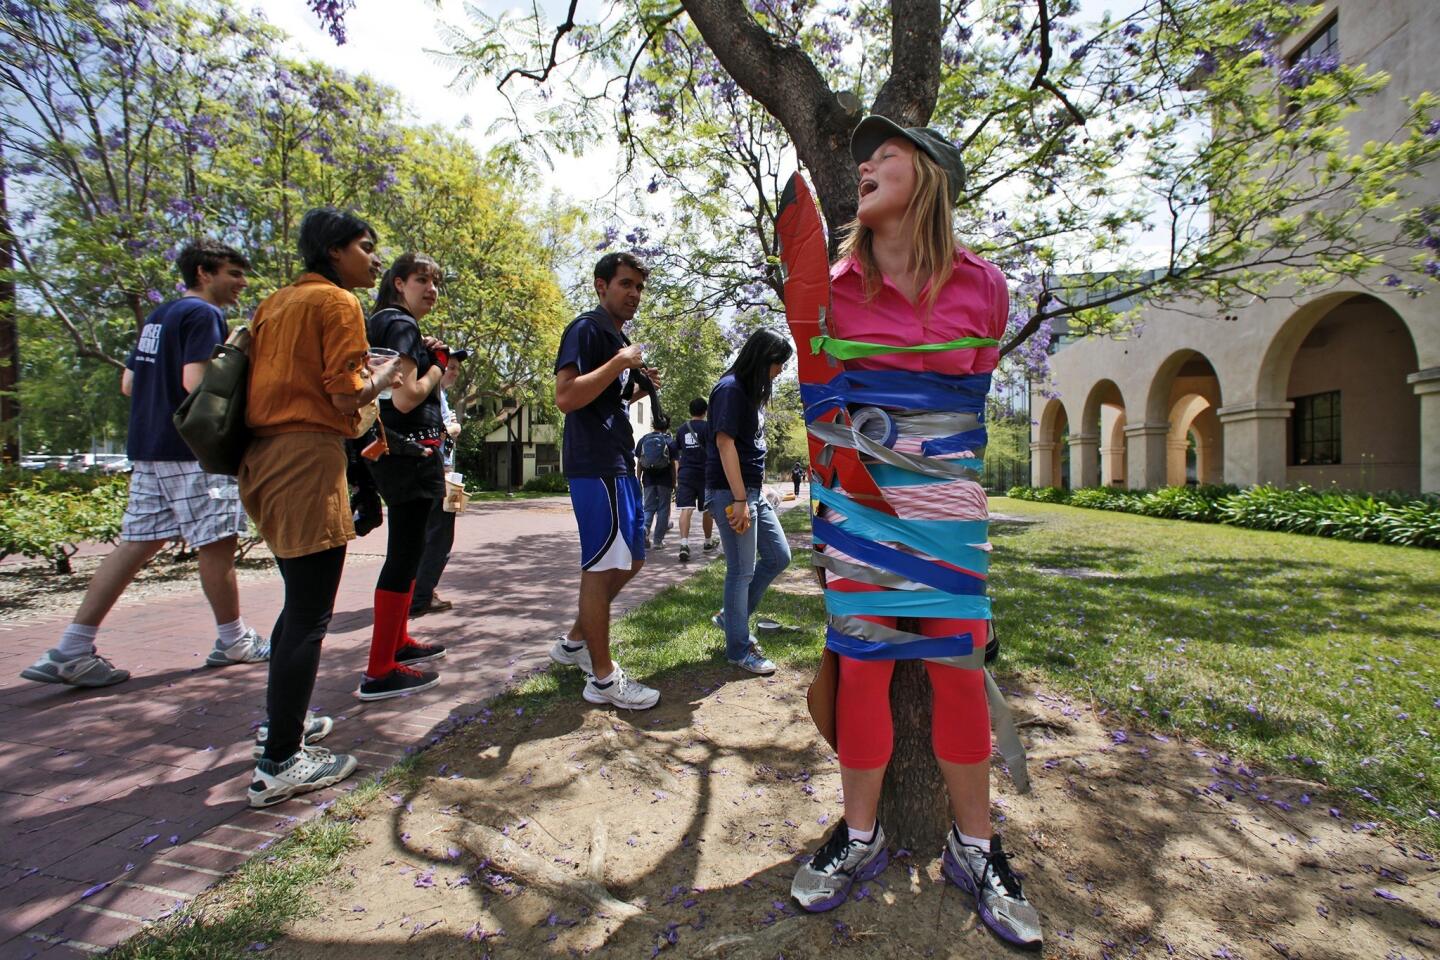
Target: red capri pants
<point>960,718</point>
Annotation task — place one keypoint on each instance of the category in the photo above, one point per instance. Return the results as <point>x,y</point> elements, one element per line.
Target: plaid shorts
<point>175,499</point>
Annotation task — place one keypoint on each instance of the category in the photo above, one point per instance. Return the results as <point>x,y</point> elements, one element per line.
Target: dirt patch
<point>677,832</point>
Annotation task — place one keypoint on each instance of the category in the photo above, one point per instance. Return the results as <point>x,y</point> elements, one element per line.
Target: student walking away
<point>734,478</point>
<point>171,498</point>
<point>655,455</point>
<point>901,289</point>
<point>797,473</point>
<point>410,476</point>
<point>595,375</point>
<point>308,392</point>
<point>691,440</point>
<point>440,531</point>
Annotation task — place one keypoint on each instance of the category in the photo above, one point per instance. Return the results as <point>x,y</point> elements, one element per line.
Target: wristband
<point>442,358</point>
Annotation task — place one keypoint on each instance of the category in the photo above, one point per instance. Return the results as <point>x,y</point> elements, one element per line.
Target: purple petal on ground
<point>452,853</point>
<point>357,909</point>
<point>149,840</point>
<point>1384,894</point>
<point>174,839</point>
<point>258,946</point>
<point>95,889</point>
<point>405,837</point>
<point>129,867</point>
<point>689,903</point>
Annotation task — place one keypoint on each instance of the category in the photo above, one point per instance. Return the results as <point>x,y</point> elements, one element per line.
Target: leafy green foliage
<point>49,518</point>
<point>548,483</point>
<point>1395,518</point>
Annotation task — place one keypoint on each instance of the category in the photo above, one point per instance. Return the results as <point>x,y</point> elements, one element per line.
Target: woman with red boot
<point>410,475</point>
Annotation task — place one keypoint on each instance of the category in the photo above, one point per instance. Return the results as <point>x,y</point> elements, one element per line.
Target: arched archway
<point>1343,414</point>
<point>1095,456</point>
<point>1050,451</point>
<point>1182,401</point>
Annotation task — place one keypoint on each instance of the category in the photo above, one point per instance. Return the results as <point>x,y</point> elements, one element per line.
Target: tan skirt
<point>293,487</point>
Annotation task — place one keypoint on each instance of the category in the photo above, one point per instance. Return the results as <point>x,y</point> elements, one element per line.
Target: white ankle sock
<point>603,680</point>
<point>862,836</point>
<point>77,641</point>
<point>228,633</point>
<point>970,841</point>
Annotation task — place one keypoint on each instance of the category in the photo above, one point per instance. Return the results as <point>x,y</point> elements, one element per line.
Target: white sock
<point>600,681</point>
<point>970,841</point>
<point>228,633</point>
<point>862,836</point>
<point>684,541</point>
<point>78,640</point>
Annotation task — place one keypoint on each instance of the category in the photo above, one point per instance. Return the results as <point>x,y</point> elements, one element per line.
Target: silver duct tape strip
<point>840,435</point>
<point>1007,737</point>
<point>934,423</point>
<point>863,574</point>
<point>875,633</point>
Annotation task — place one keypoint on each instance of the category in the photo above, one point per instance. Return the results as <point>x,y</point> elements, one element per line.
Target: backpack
<point>211,420</point>
<point>654,451</point>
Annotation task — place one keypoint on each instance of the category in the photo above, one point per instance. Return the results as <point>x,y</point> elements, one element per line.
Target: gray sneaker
<point>998,896</point>
<point>250,648</point>
<point>755,662</point>
<point>565,652</point>
<point>312,768</point>
<point>316,728</point>
<point>825,882</point>
<point>86,670</point>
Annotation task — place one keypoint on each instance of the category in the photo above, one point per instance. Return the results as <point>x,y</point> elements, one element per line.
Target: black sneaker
<point>399,682</point>
<point>416,652</point>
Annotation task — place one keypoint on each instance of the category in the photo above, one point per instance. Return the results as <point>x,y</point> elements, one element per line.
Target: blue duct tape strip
<point>947,540</point>
<point>959,645</point>
<point>955,443</point>
<point>906,603</point>
<point>898,562</point>
<point>887,476</point>
<point>901,389</point>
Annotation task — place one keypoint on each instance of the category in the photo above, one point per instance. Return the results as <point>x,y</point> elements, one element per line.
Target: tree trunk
<point>9,338</point>
<point>913,807</point>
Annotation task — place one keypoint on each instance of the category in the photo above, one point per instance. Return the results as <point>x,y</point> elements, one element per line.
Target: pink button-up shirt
<point>973,303</point>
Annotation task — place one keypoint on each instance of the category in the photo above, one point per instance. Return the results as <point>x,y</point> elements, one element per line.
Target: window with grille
<point>1317,429</point>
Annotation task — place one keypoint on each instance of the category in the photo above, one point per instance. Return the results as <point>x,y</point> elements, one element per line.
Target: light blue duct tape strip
<point>898,562</point>
<point>948,540</point>
<point>906,603</point>
<point>929,648</point>
<point>887,476</point>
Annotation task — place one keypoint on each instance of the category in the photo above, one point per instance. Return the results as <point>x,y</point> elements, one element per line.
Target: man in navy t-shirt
<point>171,498</point>
<point>692,438</point>
<point>593,381</point>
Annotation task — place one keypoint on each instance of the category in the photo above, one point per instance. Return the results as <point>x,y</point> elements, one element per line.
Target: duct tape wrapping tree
<point>874,437</point>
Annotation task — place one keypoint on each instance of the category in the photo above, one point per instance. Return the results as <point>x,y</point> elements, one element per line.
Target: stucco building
<point>1339,389</point>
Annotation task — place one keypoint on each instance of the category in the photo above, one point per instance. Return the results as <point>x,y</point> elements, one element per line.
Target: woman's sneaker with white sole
<point>316,728</point>
<point>250,648</point>
<point>568,653</point>
<point>400,682</point>
<point>755,662</point>
<point>620,691</point>
<point>998,896</point>
<point>825,882</point>
<point>311,768</point>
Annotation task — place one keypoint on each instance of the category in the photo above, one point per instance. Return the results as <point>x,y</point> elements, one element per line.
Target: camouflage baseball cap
<point>875,130</point>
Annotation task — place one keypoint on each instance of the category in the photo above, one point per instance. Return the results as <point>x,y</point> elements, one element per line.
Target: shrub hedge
<point>548,483</point>
<point>48,519</point>
<point>1397,518</point>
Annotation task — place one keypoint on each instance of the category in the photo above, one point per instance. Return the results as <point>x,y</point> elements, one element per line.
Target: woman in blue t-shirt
<point>734,475</point>
<point>410,476</point>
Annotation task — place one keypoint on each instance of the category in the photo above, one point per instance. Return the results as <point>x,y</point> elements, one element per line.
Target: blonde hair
<point>932,240</point>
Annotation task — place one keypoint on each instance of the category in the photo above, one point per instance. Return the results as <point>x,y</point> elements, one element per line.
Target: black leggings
<point>311,582</point>
<point>406,544</point>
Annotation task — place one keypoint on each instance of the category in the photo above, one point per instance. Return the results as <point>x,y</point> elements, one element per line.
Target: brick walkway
<point>141,787</point>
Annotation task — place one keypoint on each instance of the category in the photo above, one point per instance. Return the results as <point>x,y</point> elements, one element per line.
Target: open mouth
<point>868,187</point>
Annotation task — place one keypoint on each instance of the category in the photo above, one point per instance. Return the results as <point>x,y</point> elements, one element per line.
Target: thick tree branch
<point>1041,82</point>
<point>908,96</point>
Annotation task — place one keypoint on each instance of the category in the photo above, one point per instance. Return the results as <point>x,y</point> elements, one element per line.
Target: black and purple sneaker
<point>825,882</point>
<point>998,896</point>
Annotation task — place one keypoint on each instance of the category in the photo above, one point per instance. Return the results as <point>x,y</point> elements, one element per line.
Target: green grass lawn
<point>1313,656</point>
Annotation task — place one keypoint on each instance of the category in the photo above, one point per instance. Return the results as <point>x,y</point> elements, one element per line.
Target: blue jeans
<point>747,579</point>
<point>657,508</point>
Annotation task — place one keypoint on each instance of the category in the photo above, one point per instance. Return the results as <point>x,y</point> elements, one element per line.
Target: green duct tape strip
<point>948,540</point>
<point>855,349</point>
<point>906,603</point>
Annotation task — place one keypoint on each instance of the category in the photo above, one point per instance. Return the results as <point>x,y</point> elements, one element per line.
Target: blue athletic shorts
<point>611,517</point>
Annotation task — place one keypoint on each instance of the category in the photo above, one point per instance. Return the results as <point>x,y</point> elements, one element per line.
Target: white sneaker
<point>311,768</point>
<point>316,728</point>
<point>86,670</point>
<point>563,652</point>
<point>712,543</point>
<point>621,691</point>
<point>250,648</point>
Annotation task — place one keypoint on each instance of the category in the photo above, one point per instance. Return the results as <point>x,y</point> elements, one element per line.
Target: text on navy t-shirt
<point>179,332</point>
<point>598,440</point>
<point>691,438</point>
<point>731,412</point>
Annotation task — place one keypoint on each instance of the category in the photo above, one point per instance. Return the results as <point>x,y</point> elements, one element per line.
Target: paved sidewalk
<point>118,805</point>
